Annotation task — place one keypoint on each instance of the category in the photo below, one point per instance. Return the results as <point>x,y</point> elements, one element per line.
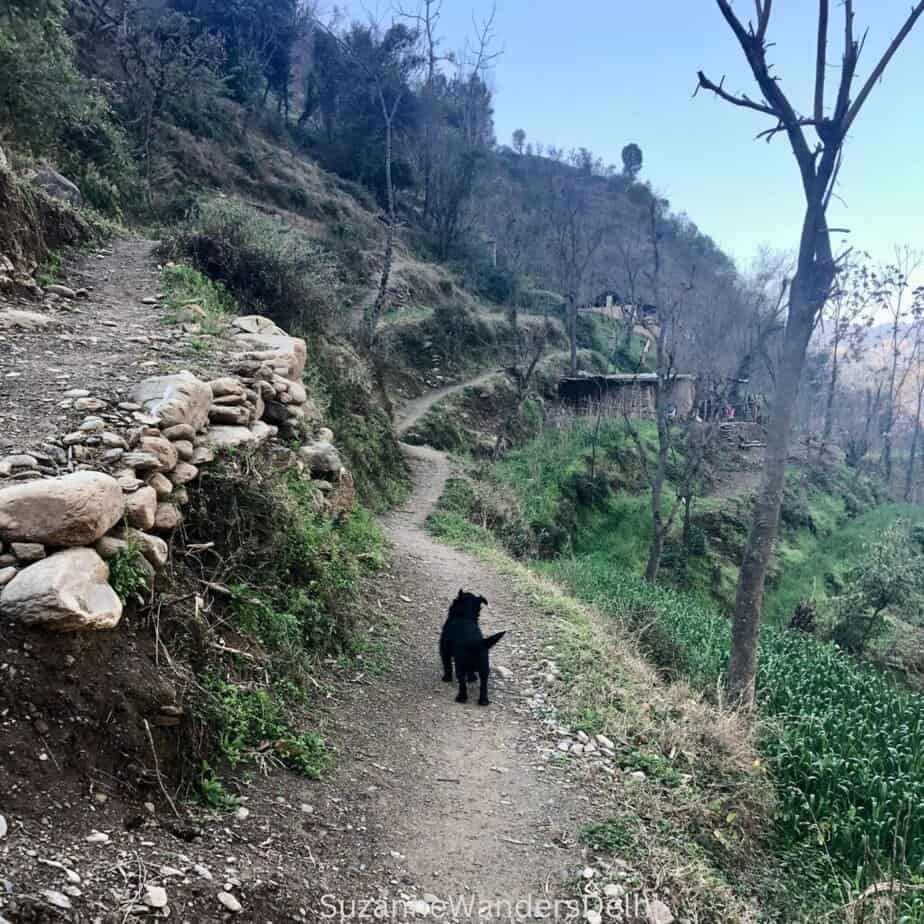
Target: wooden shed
<point>632,394</point>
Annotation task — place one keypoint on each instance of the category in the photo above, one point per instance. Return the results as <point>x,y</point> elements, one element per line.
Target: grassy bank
<point>844,744</point>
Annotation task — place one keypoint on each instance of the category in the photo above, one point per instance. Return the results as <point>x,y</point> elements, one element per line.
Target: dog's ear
<point>461,594</point>
<point>484,600</point>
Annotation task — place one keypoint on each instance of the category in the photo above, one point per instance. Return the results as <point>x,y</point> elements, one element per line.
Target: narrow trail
<point>465,800</point>
<point>416,408</point>
<point>101,343</point>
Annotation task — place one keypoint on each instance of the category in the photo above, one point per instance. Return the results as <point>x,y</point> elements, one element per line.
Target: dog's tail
<point>492,640</point>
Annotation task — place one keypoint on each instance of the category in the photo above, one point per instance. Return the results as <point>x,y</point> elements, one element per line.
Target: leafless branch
<point>820,61</point>
<point>900,36</point>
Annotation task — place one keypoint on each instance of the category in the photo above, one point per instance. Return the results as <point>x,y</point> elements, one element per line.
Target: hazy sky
<point>601,73</point>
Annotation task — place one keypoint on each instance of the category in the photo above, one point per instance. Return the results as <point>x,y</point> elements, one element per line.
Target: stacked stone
<point>56,533</point>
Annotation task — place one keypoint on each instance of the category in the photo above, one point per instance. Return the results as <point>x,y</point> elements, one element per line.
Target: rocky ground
<point>104,333</point>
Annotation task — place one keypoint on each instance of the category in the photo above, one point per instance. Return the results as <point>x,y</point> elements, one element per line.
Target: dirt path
<point>488,817</point>
<point>101,343</point>
<point>416,408</point>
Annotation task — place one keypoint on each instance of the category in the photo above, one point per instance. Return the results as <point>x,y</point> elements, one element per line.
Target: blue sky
<point>602,73</point>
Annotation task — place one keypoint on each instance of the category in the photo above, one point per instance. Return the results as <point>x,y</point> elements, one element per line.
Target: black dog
<point>462,642</point>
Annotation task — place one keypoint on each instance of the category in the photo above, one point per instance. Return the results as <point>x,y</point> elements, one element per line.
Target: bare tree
<point>388,67</point>
<point>847,313</point>
<point>918,361</point>
<point>577,231</point>
<point>816,269</point>
<point>665,328</point>
<point>530,347</point>
<point>894,296</point>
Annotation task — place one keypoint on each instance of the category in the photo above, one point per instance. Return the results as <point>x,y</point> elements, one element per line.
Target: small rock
<point>155,897</point>
<point>97,837</point>
<point>307,809</point>
<point>658,912</point>
<point>62,291</point>
<point>89,404</point>
<point>167,517</point>
<point>229,901</point>
<point>170,872</point>
<point>419,907</point>
<point>582,737</point>
<point>577,749</point>
<point>93,425</point>
<point>605,742</point>
<point>6,575</point>
<point>588,872</point>
<point>242,814</point>
<point>638,776</point>
<point>73,891</point>
<point>58,899</point>
<point>613,890</point>
<point>28,551</point>
<point>3,827</point>
<point>203,872</point>
<point>592,916</point>
<point>503,672</point>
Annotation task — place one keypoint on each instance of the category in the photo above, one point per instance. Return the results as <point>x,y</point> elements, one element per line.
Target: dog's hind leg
<point>446,658</point>
<point>483,672</point>
<point>462,696</point>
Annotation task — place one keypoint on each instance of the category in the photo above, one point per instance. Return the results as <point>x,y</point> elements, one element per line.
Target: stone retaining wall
<point>126,469</point>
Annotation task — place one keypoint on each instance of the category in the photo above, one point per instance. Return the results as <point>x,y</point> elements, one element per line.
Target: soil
<point>425,796</point>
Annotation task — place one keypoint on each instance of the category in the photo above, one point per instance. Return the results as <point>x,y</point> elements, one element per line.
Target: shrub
<point>53,113</point>
<point>269,267</point>
<point>249,720</point>
<point>888,580</point>
<point>127,575</point>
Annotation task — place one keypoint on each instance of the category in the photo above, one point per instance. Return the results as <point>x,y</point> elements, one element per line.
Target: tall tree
<point>816,268</point>
<point>847,318</point>
<point>519,140</point>
<point>631,160</point>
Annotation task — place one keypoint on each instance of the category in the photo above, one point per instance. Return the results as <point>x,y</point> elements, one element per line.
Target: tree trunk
<point>749,598</point>
<point>656,549</point>
<point>890,412</point>
<point>832,391</point>
<point>374,311</point>
<point>572,331</point>
<point>913,452</point>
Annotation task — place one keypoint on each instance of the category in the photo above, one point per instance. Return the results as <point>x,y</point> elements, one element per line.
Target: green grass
<point>251,723</point>
<point>294,578</point>
<point>816,567</point>
<point>845,745</point>
<point>192,298</point>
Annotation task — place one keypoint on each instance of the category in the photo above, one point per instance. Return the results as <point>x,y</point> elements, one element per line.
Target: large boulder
<point>66,592</point>
<point>58,187</point>
<point>286,355</point>
<point>175,399</point>
<point>72,510</point>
